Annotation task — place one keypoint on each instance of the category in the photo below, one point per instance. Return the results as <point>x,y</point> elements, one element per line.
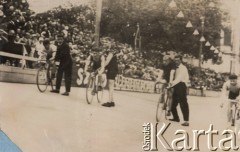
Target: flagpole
<point>201,47</point>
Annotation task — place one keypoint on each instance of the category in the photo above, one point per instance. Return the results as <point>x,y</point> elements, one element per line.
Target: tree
<point>160,28</point>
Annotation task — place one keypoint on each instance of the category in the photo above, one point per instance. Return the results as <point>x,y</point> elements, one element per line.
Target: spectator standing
<point>64,57</point>
<point>180,91</point>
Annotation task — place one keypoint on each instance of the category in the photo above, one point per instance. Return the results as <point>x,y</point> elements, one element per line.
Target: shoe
<point>185,124</point>
<point>112,104</point>
<point>168,113</point>
<point>176,120</point>
<point>108,104</point>
<point>65,94</point>
<point>54,91</point>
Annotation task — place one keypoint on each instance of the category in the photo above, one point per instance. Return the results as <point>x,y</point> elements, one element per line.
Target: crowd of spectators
<point>77,25</point>
<point>208,79</point>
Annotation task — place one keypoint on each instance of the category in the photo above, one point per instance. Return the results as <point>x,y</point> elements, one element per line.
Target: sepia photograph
<point>119,75</point>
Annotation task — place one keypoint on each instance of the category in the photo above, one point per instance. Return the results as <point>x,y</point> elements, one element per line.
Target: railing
<point>21,57</point>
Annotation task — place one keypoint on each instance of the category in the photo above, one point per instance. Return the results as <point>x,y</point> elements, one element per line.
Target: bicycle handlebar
<point>233,100</point>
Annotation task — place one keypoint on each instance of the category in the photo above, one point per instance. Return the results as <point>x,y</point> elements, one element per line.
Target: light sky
<point>43,5</point>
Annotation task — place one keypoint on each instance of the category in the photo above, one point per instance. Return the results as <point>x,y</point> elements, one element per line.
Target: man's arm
<point>171,76</point>
<point>102,65</point>
<point>87,62</point>
<point>53,49</point>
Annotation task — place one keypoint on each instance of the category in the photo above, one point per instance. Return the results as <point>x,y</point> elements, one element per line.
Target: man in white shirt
<point>180,91</point>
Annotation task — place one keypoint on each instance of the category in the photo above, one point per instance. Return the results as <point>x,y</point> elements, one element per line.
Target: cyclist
<point>48,54</point>
<point>230,91</point>
<point>112,71</point>
<point>95,64</point>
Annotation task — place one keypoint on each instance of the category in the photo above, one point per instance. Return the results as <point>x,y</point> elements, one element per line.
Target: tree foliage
<point>160,27</point>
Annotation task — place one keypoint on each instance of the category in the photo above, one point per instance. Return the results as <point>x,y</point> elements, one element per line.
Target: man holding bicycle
<point>230,96</point>
<point>168,72</point>
<point>65,67</point>
<point>95,64</point>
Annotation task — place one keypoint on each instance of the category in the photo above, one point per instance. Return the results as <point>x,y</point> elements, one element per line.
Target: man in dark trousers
<point>179,85</point>
<point>64,57</point>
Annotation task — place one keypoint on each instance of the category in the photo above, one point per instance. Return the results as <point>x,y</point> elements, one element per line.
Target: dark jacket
<point>63,55</point>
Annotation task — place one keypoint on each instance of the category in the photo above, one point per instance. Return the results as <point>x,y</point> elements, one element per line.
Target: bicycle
<point>234,115</point>
<point>45,76</point>
<point>161,112</point>
<point>94,88</point>
<point>234,110</point>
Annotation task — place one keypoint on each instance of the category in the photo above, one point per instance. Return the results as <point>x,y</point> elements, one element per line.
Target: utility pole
<point>137,40</point>
<point>98,21</point>
<point>235,36</point>
<point>201,46</point>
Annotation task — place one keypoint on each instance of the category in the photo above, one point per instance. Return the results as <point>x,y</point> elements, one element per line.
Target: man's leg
<point>174,106</point>
<point>59,78</point>
<point>110,102</point>
<point>183,102</point>
<point>68,78</point>
<point>111,89</point>
<point>169,104</point>
<point>182,94</point>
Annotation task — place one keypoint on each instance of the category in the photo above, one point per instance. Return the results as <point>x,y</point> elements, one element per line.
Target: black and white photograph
<point>119,75</point>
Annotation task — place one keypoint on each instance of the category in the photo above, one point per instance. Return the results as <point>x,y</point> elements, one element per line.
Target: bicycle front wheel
<point>90,92</point>
<point>42,79</point>
<point>99,94</point>
<point>160,112</point>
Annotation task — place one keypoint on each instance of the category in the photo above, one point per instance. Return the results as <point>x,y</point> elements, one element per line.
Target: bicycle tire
<point>89,91</point>
<point>99,94</point>
<point>165,111</point>
<point>160,111</point>
<point>41,79</point>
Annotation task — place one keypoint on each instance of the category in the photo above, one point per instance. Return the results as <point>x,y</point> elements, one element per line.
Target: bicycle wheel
<point>90,92</point>
<point>166,103</point>
<point>42,80</point>
<point>99,93</point>
<point>160,112</point>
